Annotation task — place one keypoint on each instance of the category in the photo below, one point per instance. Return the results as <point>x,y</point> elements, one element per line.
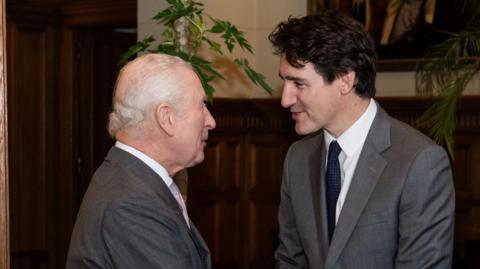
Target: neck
<point>350,113</point>
<point>153,149</point>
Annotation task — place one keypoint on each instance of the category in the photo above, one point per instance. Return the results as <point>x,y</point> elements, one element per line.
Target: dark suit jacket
<point>130,219</point>
<point>398,213</point>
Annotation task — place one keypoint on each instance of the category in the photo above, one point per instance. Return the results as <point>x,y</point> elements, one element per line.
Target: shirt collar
<point>158,168</point>
<point>354,137</point>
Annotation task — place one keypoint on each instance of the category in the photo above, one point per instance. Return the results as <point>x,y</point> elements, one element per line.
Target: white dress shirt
<point>351,142</point>
<point>161,171</point>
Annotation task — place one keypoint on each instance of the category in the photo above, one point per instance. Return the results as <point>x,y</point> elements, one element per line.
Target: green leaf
<point>217,28</point>
<point>178,9</point>
<point>255,77</point>
<point>214,46</point>
<point>451,66</point>
<point>205,66</point>
<point>205,80</point>
<point>136,48</point>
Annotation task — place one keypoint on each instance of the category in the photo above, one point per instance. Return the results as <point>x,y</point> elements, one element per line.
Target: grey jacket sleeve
<point>290,253</point>
<point>426,213</point>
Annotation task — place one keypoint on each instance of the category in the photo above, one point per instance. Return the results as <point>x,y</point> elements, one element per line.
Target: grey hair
<point>142,84</point>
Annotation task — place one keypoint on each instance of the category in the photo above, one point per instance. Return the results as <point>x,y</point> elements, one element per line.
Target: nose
<point>288,96</point>
<point>210,121</point>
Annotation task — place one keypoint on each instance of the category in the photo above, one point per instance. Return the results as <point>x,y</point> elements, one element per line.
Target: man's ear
<point>165,118</point>
<point>348,82</point>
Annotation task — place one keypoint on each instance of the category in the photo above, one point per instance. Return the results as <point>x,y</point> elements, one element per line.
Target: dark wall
<point>62,58</point>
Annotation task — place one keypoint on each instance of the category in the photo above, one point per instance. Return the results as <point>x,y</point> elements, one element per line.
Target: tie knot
<point>334,149</point>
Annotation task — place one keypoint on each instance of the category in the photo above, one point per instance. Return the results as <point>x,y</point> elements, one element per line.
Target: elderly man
<point>132,215</point>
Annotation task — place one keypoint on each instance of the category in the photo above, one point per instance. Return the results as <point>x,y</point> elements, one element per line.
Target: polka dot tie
<point>333,183</point>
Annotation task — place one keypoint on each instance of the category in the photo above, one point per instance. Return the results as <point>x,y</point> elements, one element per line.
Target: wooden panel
<point>100,13</point>
<point>33,12</point>
<point>263,233</point>
<point>32,124</point>
<point>215,201</point>
<point>44,89</point>
<point>4,193</point>
<point>66,186</point>
<point>97,54</point>
<point>27,186</point>
<point>234,194</point>
<point>265,164</point>
<point>265,158</point>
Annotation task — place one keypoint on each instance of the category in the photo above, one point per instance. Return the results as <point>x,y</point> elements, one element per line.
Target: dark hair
<point>333,43</point>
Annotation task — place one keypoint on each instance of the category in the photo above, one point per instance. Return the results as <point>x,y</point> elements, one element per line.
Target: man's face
<point>313,102</point>
<point>194,121</point>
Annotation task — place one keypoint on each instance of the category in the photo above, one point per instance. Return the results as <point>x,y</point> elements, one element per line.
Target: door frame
<point>4,220</point>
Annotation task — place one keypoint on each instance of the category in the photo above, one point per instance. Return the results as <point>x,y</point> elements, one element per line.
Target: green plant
<point>186,31</point>
<point>454,62</point>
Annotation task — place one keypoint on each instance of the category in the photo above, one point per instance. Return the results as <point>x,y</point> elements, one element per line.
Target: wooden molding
<point>4,219</point>
<point>75,13</point>
<point>408,109</point>
<point>34,12</point>
<point>260,115</point>
<point>84,13</point>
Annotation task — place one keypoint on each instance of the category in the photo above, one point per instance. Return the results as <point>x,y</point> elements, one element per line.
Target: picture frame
<point>400,49</point>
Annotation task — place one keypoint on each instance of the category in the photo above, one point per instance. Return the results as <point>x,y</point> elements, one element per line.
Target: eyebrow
<point>292,78</point>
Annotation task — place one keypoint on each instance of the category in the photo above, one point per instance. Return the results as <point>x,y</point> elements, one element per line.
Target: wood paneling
<point>98,52</point>
<point>217,198</point>
<point>57,78</point>
<point>100,13</point>
<point>33,147</point>
<point>4,193</point>
<point>66,168</point>
<point>234,194</point>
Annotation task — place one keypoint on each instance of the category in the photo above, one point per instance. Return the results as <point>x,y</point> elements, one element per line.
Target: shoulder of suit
<point>408,142</point>
<point>308,143</point>
<point>405,131</point>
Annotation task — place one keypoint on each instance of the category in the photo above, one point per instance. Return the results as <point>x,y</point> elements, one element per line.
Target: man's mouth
<point>295,115</point>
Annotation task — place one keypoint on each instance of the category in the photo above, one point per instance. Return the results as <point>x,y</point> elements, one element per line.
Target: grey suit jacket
<point>130,219</point>
<point>398,213</point>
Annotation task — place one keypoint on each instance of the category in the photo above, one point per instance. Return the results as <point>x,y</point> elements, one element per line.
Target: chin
<point>305,130</point>
<point>301,131</point>
<point>198,159</point>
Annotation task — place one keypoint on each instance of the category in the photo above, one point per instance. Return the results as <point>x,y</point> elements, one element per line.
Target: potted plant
<point>186,31</point>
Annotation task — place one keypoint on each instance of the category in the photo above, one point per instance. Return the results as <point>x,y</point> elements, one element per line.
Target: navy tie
<point>333,183</point>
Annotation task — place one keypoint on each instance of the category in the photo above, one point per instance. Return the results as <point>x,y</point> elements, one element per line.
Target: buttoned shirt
<point>351,141</point>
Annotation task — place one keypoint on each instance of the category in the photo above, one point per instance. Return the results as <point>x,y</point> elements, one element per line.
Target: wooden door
<point>98,51</point>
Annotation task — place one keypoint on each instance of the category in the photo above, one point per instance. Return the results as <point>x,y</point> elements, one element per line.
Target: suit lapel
<point>148,177</point>
<point>317,182</point>
<point>368,170</point>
